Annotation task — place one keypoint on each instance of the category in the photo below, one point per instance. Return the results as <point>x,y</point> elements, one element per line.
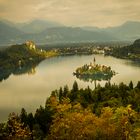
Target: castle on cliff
<point>31,45</point>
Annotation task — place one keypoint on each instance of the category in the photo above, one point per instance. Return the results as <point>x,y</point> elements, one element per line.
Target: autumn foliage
<point>105,113</point>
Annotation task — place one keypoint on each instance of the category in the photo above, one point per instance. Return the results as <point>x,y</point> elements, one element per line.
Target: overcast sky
<point>101,13</point>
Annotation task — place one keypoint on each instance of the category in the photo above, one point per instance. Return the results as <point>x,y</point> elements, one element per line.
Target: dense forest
<point>111,112</point>
<point>128,52</point>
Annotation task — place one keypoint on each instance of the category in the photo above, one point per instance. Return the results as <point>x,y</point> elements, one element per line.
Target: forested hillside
<point>111,112</point>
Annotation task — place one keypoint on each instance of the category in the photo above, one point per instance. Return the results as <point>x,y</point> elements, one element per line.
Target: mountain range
<point>43,32</point>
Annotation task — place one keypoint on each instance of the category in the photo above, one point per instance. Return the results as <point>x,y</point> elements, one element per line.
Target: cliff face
<point>19,55</point>
<point>19,59</point>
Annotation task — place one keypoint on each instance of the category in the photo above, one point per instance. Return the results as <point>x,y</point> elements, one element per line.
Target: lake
<point>30,90</point>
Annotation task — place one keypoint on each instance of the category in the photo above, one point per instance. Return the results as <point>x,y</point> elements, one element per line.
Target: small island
<point>94,71</point>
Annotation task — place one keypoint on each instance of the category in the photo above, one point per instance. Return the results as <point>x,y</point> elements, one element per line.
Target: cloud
<point>72,12</point>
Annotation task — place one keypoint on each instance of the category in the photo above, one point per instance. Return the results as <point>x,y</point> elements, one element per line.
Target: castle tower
<point>31,45</point>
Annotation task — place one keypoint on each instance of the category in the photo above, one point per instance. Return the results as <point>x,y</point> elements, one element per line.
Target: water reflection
<point>133,63</point>
<point>29,69</point>
<point>91,78</point>
<point>94,78</point>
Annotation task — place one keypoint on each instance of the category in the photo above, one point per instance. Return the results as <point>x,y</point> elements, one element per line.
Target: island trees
<point>94,72</point>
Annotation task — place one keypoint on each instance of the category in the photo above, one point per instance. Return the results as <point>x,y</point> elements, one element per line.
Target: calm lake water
<point>31,90</point>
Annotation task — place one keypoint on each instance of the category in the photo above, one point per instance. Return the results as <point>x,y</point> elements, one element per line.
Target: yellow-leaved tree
<point>17,130</point>
<point>76,123</point>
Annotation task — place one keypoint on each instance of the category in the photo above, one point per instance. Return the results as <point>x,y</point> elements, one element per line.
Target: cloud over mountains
<point>101,13</point>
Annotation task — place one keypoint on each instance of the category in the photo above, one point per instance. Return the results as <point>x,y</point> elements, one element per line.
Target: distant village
<point>82,48</point>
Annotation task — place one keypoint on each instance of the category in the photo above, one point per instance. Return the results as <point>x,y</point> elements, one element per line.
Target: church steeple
<point>94,60</point>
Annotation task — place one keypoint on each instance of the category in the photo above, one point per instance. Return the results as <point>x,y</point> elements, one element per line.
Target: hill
<point>126,31</point>
<point>128,52</point>
<point>36,26</point>
<point>21,53</point>
<point>12,34</point>
<point>43,31</point>
<point>137,43</point>
<point>18,57</point>
<point>68,34</point>
<point>9,34</point>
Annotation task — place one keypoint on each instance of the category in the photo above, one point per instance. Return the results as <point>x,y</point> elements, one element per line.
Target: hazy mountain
<point>42,31</point>
<point>36,26</point>
<point>127,31</point>
<point>91,28</point>
<point>75,34</point>
<point>68,34</point>
<point>8,33</point>
<point>7,22</point>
